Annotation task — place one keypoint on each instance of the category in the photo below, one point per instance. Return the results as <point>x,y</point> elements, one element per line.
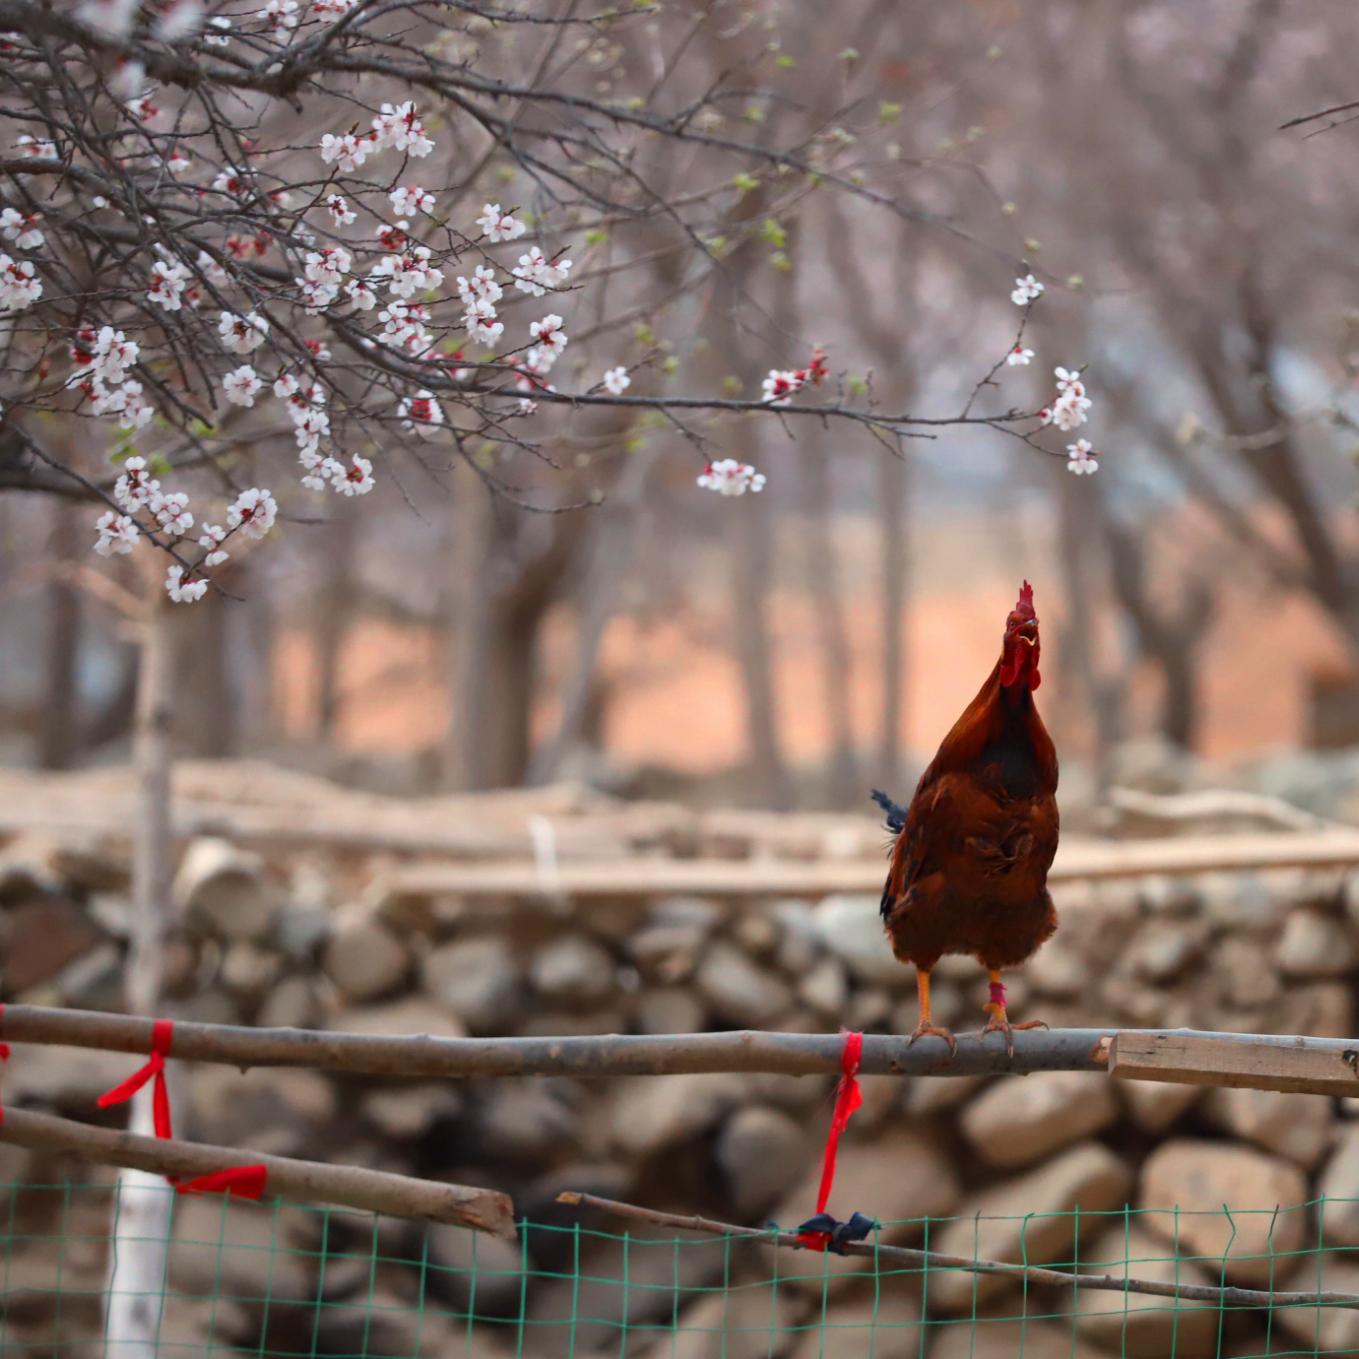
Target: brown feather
<point>969,868</point>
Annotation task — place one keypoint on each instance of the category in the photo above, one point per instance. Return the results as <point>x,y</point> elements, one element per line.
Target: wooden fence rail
<point>1266,1062</point>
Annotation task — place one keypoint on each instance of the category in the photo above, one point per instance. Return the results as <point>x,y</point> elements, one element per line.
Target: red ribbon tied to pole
<point>847,1099</point>
<point>246,1182</point>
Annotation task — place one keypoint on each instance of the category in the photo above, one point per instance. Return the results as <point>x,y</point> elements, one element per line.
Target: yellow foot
<point>1000,1023</point>
<point>924,1028</point>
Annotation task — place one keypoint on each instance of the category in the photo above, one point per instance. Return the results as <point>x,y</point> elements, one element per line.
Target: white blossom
<point>729,477</point>
<point>168,281</point>
<point>35,148</point>
<point>549,334</point>
<point>232,181</point>
<point>117,534</point>
<point>360,294</point>
<point>481,286</point>
<point>21,228</point>
<point>221,37</point>
<point>134,488</point>
<point>242,386</point>
<point>407,202</point>
<point>181,20</point>
<point>1019,356</point>
<point>778,389</point>
<point>349,150</point>
<point>497,226</point>
<point>172,512</point>
<point>617,381</point>
<point>183,591</point>
<point>338,207</point>
<point>1079,459</point>
<point>421,414</point>
<point>329,265</point>
<point>241,334</point>
<point>211,270</point>
<point>18,286</point>
<point>253,513</point>
<point>535,273</point>
<point>136,410</point>
<point>357,479</point>
<point>283,14</point>
<point>408,273</point>
<point>332,9</point>
<point>400,127</point>
<point>211,538</point>
<point>1026,290</point>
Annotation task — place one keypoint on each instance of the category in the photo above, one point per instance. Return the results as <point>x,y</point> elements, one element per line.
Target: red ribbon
<point>245,1181</point>
<point>847,1099</point>
<point>4,1057</point>
<point>161,1033</point>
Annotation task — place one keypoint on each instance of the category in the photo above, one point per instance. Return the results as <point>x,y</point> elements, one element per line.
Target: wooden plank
<point>819,877</point>
<point>1304,1065</point>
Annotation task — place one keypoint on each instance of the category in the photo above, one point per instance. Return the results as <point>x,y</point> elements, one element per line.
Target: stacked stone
<point>323,944</point>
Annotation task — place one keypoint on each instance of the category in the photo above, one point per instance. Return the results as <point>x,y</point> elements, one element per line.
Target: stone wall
<point>324,943</point>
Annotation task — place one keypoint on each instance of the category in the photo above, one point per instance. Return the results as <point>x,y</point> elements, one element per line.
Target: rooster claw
<point>923,1030</point>
<point>1000,1023</point>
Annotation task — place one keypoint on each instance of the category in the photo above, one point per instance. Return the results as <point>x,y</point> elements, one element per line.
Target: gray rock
<point>653,1114</point>
<point>292,1004</point>
<point>761,1151</point>
<point>221,888</point>
<point>1139,1325</point>
<point>1315,945</point>
<point>1197,1178</point>
<point>799,941</point>
<point>574,969</point>
<point>1339,1184</point>
<point>750,1321</point>
<point>229,1249</point>
<point>1030,1220</point>
<point>691,912</point>
<point>365,959</point>
<point>1247,971</point>
<point>1017,1122</point>
<point>825,988</point>
<point>458,1256</point>
<point>1163,949</point>
<point>669,1009</point>
<point>899,1178</point>
<point>667,952</point>
<point>1173,897</point>
<point>477,979</point>
<point>1155,1105</point>
<point>410,1111</point>
<point>1239,901</point>
<point>736,990</point>
<point>524,1121</point>
<point>1300,1128</point>
<point>886,1327</point>
<point>248,969</point>
<point>851,928</point>
<point>231,1108</point>
<point>1003,1338</point>
<point>397,1019</point>
<point>1057,972</point>
<point>1330,1331</point>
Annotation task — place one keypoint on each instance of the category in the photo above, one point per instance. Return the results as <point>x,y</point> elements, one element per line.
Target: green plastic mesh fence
<point>278,1279</point>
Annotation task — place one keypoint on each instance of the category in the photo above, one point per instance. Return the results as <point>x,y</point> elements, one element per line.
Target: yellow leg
<point>926,1026</point>
<point>999,1020</point>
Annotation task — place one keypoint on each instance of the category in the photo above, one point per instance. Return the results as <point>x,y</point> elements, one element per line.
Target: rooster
<point>972,852</point>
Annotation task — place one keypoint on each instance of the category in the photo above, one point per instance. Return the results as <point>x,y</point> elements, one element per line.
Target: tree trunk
<point>142,1202</point>
<point>332,616</point>
<point>613,551</point>
<point>469,610</point>
<point>893,487</point>
<point>842,771</point>
<point>60,727</point>
<point>748,543</point>
<point>1104,696</point>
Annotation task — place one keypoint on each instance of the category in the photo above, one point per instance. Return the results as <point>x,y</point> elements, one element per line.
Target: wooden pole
<point>375,1191</point>
<point>1104,1283</point>
<point>1262,1061</point>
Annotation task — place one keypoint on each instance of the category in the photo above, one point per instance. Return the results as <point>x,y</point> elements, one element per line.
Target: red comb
<point>1025,606</point>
